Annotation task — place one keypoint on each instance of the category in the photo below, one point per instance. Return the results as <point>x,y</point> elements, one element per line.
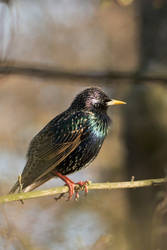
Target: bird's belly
<point>81,156</point>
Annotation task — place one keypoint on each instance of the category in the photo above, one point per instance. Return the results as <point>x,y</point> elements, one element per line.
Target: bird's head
<point>93,99</point>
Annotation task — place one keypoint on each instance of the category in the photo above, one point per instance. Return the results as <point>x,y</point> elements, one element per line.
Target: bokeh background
<point>86,36</point>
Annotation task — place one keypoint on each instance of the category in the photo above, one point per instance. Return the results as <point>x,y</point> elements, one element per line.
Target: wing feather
<point>51,146</point>
<point>57,157</point>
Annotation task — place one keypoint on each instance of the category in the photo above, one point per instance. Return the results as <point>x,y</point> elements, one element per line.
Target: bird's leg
<point>72,186</point>
<point>69,183</point>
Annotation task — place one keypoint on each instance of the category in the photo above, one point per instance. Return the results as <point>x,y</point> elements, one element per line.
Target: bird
<point>69,142</point>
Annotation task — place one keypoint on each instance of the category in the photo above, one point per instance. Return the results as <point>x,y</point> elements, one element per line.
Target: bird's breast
<point>98,125</point>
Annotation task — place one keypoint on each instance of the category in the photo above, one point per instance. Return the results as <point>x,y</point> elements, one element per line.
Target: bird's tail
<point>37,183</point>
<point>14,188</point>
<point>30,187</point>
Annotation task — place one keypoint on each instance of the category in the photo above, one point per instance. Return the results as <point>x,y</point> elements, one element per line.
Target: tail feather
<point>30,187</point>
<point>37,183</point>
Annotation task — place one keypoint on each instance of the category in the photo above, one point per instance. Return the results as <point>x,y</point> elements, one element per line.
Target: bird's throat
<point>99,124</point>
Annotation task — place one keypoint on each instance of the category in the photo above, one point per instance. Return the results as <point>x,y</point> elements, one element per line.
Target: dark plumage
<point>68,142</point>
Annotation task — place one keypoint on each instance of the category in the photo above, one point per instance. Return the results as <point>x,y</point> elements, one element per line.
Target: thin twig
<point>91,186</point>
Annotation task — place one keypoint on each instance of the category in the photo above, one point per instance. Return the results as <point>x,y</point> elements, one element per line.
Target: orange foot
<point>83,185</point>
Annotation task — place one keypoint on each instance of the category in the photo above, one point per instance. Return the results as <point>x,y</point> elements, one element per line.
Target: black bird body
<point>68,142</point>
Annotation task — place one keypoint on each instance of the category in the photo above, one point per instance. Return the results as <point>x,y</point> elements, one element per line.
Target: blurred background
<point>128,36</point>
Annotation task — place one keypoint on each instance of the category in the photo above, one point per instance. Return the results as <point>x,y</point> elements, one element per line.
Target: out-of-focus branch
<point>91,186</point>
<point>53,73</point>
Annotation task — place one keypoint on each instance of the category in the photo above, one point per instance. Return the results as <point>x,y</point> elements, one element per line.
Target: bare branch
<point>51,73</point>
<point>91,186</point>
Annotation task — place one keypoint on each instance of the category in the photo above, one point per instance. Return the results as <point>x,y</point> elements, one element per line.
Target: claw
<point>73,187</point>
<point>83,185</point>
<point>76,195</point>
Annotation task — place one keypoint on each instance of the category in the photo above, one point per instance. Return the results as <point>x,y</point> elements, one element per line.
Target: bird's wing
<point>57,154</point>
<point>52,145</point>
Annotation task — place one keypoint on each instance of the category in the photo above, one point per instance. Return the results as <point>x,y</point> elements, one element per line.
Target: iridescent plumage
<point>68,142</point>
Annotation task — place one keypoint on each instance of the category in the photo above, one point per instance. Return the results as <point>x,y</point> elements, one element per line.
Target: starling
<point>68,143</point>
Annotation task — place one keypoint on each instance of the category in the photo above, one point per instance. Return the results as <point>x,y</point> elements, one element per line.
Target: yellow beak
<point>115,102</point>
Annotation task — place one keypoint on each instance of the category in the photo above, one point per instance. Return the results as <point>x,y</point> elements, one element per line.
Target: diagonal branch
<point>91,186</point>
